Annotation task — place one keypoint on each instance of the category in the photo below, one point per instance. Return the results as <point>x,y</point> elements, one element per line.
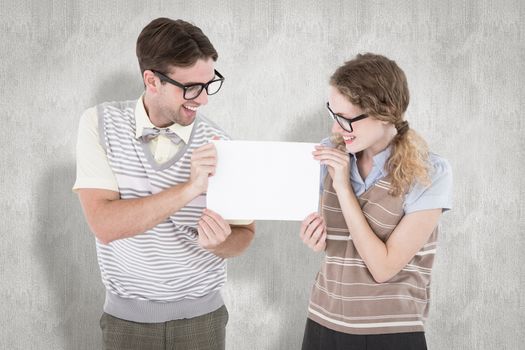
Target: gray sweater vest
<point>162,274</point>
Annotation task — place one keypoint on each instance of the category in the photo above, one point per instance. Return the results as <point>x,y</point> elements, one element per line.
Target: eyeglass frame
<point>336,117</point>
<point>185,87</point>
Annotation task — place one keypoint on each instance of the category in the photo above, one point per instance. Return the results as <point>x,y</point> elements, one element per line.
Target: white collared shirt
<point>161,146</point>
<point>420,196</point>
<point>93,170</point>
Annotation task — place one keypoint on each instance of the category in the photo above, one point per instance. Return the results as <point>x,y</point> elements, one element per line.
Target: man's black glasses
<point>192,91</point>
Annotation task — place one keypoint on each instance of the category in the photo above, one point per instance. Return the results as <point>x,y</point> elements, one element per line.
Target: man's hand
<point>203,163</point>
<point>213,230</point>
<point>313,232</point>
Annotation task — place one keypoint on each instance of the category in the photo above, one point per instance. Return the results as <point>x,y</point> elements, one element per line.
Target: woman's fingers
<point>332,156</point>
<point>306,222</point>
<point>321,243</point>
<point>313,232</point>
<point>330,151</point>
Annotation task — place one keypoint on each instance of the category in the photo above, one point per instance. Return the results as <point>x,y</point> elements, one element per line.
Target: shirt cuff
<point>430,202</point>
<point>98,183</point>
<point>239,222</point>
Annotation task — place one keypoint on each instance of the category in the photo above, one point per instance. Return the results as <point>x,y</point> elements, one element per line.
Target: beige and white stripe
<point>345,297</point>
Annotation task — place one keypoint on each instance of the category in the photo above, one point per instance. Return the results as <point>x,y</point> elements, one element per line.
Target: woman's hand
<point>313,232</point>
<point>338,164</point>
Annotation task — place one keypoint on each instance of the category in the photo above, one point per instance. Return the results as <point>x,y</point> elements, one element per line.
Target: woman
<point>382,196</point>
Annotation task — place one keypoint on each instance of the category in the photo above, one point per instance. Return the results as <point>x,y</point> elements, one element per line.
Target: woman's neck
<point>365,158</point>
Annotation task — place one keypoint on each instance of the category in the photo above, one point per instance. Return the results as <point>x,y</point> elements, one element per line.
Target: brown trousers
<point>206,332</point>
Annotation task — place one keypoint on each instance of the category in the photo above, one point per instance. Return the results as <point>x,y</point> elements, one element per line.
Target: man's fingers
<point>205,161</point>
<point>203,155</point>
<point>205,151</point>
<point>209,145</point>
<point>209,236</point>
<point>216,230</point>
<point>208,169</point>
<point>217,219</point>
<point>203,237</point>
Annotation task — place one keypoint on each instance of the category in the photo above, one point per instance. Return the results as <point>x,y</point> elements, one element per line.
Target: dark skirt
<point>318,337</point>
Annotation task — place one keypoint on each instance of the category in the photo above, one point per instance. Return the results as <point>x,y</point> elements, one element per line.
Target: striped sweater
<point>345,296</point>
<point>162,274</point>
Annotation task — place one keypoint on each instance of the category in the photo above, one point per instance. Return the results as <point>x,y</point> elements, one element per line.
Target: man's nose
<point>202,99</point>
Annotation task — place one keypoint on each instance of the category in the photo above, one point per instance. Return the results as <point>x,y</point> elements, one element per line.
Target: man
<point>142,174</point>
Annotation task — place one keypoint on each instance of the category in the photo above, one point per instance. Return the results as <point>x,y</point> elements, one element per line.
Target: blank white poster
<point>264,180</point>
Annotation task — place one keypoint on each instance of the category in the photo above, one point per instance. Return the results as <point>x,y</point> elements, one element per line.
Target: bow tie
<point>150,133</point>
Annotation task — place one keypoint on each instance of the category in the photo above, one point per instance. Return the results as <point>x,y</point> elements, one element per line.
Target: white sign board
<point>264,180</point>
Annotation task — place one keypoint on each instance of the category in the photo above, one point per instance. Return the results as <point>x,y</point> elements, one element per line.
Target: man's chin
<point>186,118</point>
<point>186,122</point>
<point>183,120</point>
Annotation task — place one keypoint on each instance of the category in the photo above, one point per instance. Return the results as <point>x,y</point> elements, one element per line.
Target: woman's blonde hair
<point>379,87</point>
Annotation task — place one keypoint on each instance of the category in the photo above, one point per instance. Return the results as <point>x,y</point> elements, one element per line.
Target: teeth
<point>191,108</point>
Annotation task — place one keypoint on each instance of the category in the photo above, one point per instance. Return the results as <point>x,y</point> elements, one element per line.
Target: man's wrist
<point>184,192</point>
<point>190,190</point>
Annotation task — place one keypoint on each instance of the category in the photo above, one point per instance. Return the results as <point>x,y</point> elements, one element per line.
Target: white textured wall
<point>464,63</point>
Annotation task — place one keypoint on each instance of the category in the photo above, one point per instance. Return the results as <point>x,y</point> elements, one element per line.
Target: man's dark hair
<point>165,42</point>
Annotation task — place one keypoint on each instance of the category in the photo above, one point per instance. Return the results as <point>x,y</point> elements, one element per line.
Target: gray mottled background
<point>464,63</point>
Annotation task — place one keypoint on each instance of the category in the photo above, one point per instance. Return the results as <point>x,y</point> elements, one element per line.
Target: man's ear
<point>151,82</point>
